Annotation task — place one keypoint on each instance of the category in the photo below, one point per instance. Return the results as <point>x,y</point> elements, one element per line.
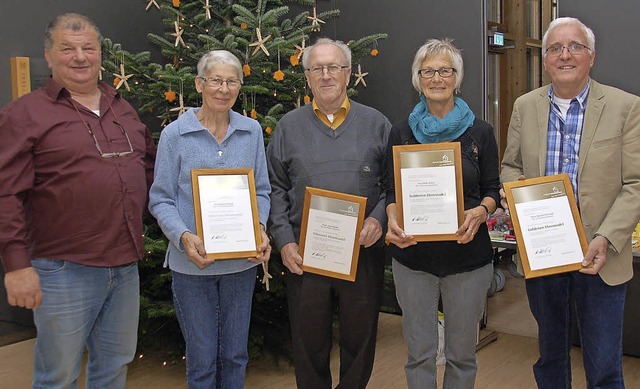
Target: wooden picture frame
<point>430,198</point>
<point>226,212</point>
<point>331,225</point>
<point>548,228</point>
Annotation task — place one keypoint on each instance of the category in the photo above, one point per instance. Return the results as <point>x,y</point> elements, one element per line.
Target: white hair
<point>218,57</point>
<point>567,21</point>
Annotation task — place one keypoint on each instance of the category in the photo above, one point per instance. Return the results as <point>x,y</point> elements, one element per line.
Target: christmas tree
<point>268,37</point>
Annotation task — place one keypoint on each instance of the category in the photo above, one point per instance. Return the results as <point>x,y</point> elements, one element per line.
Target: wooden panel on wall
<point>20,79</point>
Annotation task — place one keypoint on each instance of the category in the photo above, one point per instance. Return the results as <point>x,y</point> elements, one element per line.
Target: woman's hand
<point>264,250</point>
<point>194,247</point>
<point>395,234</point>
<point>473,218</point>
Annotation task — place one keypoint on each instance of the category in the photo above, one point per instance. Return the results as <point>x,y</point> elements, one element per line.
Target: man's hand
<point>291,259</point>
<point>596,255</point>
<point>503,195</point>
<point>264,250</point>
<point>194,247</point>
<point>371,232</point>
<point>23,288</point>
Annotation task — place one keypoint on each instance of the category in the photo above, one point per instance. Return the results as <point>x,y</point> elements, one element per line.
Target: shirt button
<point>567,137</point>
<point>566,160</point>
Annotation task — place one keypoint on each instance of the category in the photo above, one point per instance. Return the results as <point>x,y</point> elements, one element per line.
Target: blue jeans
<point>214,312</point>
<point>85,306</point>
<point>600,311</point>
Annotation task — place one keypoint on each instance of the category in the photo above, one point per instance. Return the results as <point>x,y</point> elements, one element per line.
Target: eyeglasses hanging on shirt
<point>95,140</point>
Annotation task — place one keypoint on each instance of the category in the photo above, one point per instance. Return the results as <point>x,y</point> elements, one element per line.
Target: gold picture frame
<point>547,224</point>
<point>430,188</point>
<point>331,225</point>
<point>226,212</point>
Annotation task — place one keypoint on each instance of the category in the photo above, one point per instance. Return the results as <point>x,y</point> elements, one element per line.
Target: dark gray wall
<point>24,22</point>
<point>409,24</point>
<point>616,26</point>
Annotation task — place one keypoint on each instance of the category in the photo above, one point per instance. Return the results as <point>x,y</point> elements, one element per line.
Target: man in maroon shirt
<point>75,166</point>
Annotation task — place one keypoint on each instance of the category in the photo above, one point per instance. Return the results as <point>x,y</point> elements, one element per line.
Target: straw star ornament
<point>360,77</point>
<point>178,35</point>
<point>259,44</point>
<point>267,276</point>
<point>301,48</point>
<point>152,2</point>
<point>181,108</point>
<point>315,21</point>
<point>123,78</point>
<point>207,10</point>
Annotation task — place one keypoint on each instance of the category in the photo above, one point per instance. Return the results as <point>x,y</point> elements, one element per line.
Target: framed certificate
<point>331,225</point>
<point>428,182</point>
<point>547,224</point>
<point>226,212</point>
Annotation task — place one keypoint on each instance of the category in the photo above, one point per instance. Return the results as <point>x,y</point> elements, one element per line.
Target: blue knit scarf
<point>430,129</point>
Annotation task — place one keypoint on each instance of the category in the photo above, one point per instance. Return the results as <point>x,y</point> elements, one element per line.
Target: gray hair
<point>69,21</point>
<point>218,57</point>
<point>346,51</point>
<point>434,47</point>
<point>567,21</point>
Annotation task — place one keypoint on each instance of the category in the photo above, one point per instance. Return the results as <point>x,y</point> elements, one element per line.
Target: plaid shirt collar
<point>581,97</point>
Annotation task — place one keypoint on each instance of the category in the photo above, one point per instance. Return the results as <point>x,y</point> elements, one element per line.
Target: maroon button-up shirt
<point>58,197</point>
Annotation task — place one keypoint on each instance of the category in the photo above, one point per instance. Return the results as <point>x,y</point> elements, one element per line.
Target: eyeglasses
<point>115,153</point>
<point>95,140</point>
<point>331,69</point>
<point>573,49</point>
<point>443,72</point>
<point>216,82</point>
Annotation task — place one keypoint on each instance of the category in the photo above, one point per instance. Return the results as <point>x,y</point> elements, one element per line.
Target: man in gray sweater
<point>334,144</point>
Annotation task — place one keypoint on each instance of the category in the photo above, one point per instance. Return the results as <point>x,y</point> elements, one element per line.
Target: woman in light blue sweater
<point>212,299</point>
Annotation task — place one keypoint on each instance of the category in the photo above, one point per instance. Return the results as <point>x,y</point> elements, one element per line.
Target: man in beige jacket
<point>592,132</point>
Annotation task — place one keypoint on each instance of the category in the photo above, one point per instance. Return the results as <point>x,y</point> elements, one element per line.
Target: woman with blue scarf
<point>457,272</point>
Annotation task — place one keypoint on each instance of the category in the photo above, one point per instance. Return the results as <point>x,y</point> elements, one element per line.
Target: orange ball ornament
<point>268,130</point>
<point>253,114</point>
<point>246,69</point>
<point>306,99</point>
<point>243,25</point>
<point>176,3</point>
<point>374,52</point>
<point>116,81</point>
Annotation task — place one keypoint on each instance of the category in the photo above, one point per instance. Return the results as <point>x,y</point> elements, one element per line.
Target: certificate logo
<point>350,211</point>
<point>445,160</point>
<point>554,191</point>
